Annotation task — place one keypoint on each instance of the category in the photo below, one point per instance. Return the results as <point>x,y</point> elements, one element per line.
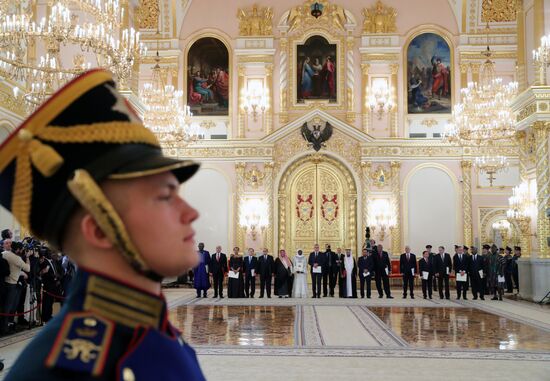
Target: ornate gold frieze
<point>478,56</point>
<point>366,57</point>
<point>255,59</point>
<point>379,19</point>
<point>255,21</point>
<point>148,14</point>
<point>429,122</point>
<point>409,151</point>
<point>498,11</point>
<point>332,18</point>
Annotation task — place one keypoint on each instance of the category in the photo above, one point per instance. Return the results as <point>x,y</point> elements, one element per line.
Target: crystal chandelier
<point>163,112</point>
<point>491,165</point>
<point>522,202</point>
<point>484,117</point>
<point>94,28</point>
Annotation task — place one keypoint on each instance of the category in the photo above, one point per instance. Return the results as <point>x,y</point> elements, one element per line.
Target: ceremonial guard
<point>84,174</point>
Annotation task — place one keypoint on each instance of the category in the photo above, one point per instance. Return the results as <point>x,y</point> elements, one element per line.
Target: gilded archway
<point>317,203</point>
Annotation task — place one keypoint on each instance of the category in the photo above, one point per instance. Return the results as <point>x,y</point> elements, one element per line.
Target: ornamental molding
<point>532,105</point>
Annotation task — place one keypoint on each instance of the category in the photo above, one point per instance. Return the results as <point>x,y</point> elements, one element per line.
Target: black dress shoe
<point>380,296</point>
<point>412,296</point>
<point>215,296</point>
<point>465,298</point>
<point>458,298</point>
<point>404,296</point>
<point>475,298</point>
<point>494,298</point>
<point>389,297</point>
<point>368,297</point>
<point>482,298</point>
<point>221,297</point>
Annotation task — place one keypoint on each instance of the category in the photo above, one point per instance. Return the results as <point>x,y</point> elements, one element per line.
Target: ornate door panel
<point>316,208</point>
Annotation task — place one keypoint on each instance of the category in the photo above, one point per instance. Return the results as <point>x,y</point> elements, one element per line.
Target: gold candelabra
<point>32,38</point>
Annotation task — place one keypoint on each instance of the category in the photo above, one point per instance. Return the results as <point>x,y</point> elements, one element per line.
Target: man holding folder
<point>426,268</point>
<point>407,264</point>
<point>316,261</point>
<point>478,274</point>
<point>461,265</point>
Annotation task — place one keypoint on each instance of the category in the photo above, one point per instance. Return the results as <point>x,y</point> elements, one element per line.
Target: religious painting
<point>316,76</point>
<point>208,78</point>
<point>429,75</point>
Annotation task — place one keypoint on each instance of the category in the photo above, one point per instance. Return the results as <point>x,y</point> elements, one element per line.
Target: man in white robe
<point>348,276</point>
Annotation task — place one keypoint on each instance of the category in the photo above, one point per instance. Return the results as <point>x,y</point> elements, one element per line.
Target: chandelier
<point>163,112</point>
<point>522,202</point>
<point>491,165</point>
<point>95,29</point>
<point>484,117</point>
<point>255,98</point>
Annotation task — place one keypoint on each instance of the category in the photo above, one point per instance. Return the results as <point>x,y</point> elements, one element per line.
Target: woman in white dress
<point>300,276</point>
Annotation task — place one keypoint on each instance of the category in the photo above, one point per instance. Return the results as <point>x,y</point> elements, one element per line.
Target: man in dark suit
<point>218,268</point>
<point>330,272</point>
<point>478,273</point>
<point>382,271</point>
<point>266,268</point>
<point>443,267</point>
<point>461,265</point>
<point>426,269</point>
<point>432,258</point>
<point>366,268</point>
<point>407,266</point>
<point>316,259</point>
<point>250,268</point>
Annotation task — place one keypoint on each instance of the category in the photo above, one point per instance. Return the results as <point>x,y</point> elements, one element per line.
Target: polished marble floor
<point>355,338</point>
<point>442,327</point>
<point>235,325</point>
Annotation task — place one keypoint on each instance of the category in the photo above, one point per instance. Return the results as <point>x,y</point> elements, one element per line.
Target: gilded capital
<point>464,67</point>
<point>365,68</point>
<point>394,68</point>
<point>466,164</point>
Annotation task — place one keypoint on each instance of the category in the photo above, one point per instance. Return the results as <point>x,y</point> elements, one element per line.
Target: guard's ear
<point>93,234</point>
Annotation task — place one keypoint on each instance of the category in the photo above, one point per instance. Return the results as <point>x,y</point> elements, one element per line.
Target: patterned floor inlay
<point>449,327</point>
<point>256,326</point>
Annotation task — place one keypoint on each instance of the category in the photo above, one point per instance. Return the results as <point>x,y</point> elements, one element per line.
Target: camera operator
<point>50,282</point>
<point>17,261</point>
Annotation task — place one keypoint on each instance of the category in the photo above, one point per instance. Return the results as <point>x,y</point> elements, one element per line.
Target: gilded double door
<point>316,206</point>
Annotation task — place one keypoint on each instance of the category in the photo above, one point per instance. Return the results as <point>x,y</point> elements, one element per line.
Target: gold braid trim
<point>28,147</point>
<point>108,132</point>
<point>91,197</point>
<point>22,189</point>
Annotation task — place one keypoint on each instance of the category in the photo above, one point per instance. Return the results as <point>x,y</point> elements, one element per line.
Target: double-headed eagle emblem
<point>316,133</point>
